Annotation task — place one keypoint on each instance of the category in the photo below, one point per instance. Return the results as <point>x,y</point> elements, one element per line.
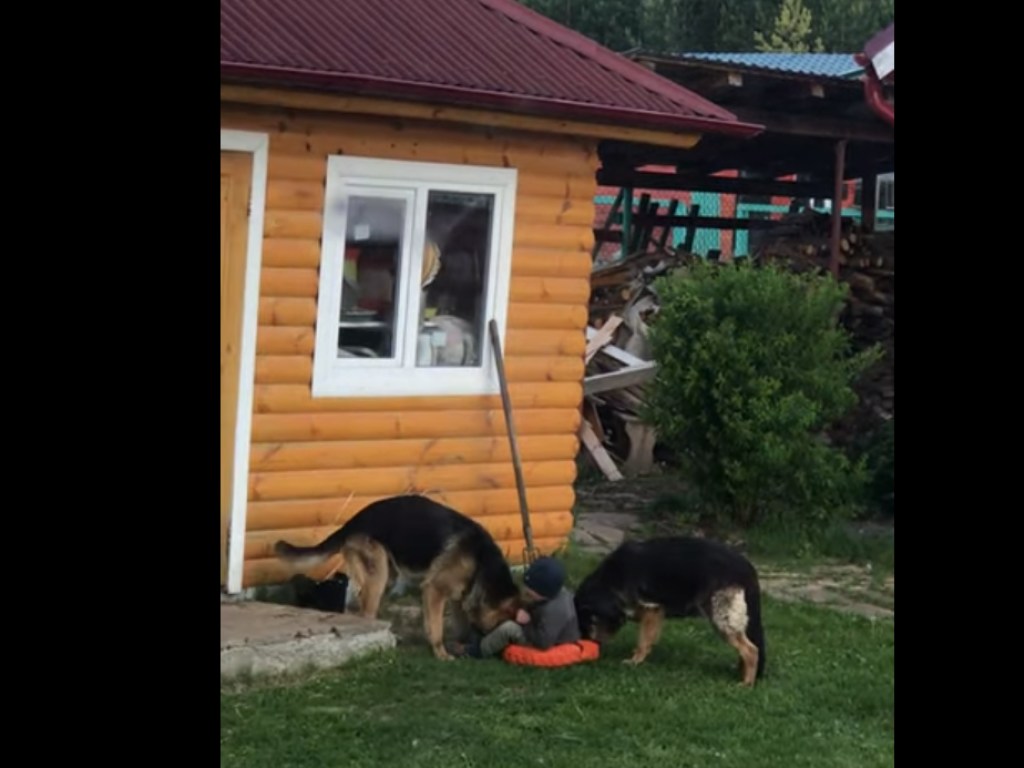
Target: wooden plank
<point>601,337</point>
<point>597,451</point>
<point>626,377</point>
<point>690,182</point>
<point>619,355</point>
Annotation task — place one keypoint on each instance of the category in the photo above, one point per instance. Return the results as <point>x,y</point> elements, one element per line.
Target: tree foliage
<point>677,26</point>
<point>791,31</point>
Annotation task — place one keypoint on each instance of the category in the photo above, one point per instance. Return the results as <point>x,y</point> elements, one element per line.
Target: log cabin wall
<point>315,462</point>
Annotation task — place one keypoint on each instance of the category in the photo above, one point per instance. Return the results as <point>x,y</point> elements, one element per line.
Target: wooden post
<point>517,464</point>
<point>627,221</point>
<point>837,209</point>
<point>869,201</point>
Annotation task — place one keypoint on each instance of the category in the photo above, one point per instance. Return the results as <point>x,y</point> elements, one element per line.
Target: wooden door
<point>235,184</point>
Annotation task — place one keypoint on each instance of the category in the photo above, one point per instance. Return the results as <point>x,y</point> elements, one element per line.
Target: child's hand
<point>522,617</point>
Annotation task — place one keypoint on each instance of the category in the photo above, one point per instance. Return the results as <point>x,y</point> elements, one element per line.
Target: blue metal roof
<point>817,64</point>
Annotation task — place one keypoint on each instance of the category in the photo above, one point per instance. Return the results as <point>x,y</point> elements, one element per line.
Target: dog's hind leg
<point>652,618</point>
<point>434,600</point>
<point>729,616</point>
<point>376,564</point>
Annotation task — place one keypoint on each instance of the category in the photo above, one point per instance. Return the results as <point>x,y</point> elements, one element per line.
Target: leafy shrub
<point>879,457</point>
<point>752,366</point>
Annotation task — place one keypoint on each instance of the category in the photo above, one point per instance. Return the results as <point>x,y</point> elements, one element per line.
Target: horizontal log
<point>553,316</point>
<point>284,340</point>
<point>260,544</point>
<point>284,369</point>
<point>550,262</point>
<point>293,369</point>
<point>268,571</point>
<point>297,167</point>
<point>322,483</point>
<point>286,311</point>
<point>556,290</point>
<point>295,283</point>
<point>299,224</point>
<point>536,369</point>
<point>400,425</point>
<point>294,195</point>
<point>307,513</point>
<point>543,342</point>
<point>382,141</point>
<point>291,252</point>
<point>276,457</point>
<point>512,122</point>
<point>534,182</point>
<point>558,236</point>
<point>547,210</point>
<point>296,398</point>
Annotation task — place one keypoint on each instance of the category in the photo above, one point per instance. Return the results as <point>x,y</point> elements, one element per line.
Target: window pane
<point>373,252</point>
<point>453,298</point>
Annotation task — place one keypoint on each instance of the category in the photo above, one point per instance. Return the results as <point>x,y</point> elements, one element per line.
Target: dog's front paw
<point>442,655</point>
<point>633,661</point>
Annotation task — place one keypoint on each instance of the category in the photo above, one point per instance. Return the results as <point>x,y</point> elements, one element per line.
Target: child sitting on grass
<point>549,620</point>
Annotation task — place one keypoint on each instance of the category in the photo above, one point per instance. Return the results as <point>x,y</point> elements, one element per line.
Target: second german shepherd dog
<point>412,537</point>
<point>675,577</point>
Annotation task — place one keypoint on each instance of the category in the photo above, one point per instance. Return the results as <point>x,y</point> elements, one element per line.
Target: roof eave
<point>445,94</point>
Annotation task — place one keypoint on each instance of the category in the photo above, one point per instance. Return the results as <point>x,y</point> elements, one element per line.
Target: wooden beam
<point>837,210</point>
<point>592,443</point>
<point>620,379</point>
<point>725,185</point>
<point>705,222</point>
<point>822,127</point>
<point>323,102</point>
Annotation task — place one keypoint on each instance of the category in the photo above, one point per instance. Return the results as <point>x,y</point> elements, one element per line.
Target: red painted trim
<point>873,91</point>
<point>471,97</point>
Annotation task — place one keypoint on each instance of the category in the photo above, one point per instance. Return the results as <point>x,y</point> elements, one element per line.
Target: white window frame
<point>412,181</point>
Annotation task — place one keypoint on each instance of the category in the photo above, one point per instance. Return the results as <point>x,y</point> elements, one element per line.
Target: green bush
<point>879,457</point>
<point>752,366</point>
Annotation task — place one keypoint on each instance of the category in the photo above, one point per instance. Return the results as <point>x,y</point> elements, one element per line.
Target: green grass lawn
<point>827,701</point>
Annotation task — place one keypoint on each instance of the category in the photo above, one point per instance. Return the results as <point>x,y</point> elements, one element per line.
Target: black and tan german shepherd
<point>414,538</point>
<point>675,577</point>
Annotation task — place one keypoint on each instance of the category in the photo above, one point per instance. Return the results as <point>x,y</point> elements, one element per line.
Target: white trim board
<point>258,145</point>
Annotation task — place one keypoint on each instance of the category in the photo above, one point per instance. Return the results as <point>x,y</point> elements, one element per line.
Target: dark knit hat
<point>545,576</point>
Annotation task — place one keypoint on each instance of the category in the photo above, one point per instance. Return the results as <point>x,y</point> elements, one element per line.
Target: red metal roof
<point>485,53</point>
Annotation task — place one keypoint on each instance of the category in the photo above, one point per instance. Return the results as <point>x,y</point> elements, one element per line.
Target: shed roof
<point>829,65</point>
<point>484,53</point>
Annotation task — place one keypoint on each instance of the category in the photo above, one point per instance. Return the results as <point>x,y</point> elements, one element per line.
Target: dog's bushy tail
<point>755,629</point>
<point>305,557</point>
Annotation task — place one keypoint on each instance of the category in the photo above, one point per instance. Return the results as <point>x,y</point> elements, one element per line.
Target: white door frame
<point>257,144</point>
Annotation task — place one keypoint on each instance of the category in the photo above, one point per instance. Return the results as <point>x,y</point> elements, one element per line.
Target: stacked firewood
<point>802,241</point>
<point>867,266</point>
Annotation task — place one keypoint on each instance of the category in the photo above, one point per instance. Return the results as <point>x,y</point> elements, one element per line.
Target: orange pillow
<point>556,656</point>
